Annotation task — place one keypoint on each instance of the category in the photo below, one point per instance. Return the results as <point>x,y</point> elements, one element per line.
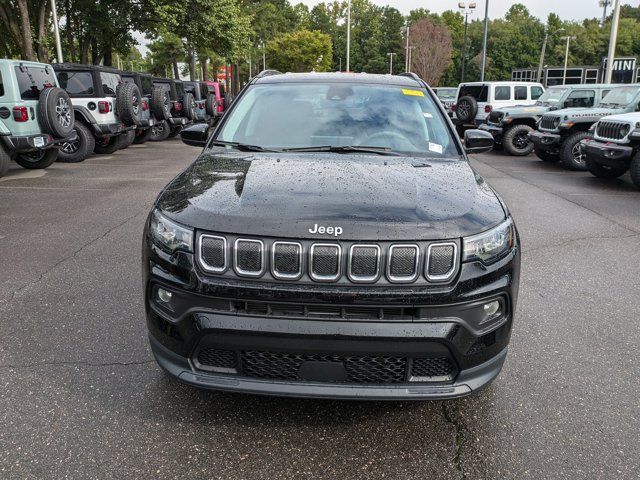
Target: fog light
<point>165,296</point>
<point>492,310</point>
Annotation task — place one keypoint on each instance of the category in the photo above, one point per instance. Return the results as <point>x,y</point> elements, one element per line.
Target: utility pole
<point>264,57</point>
<point>484,41</point>
<point>544,49</point>
<point>568,38</point>
<point>390,55</point>
<point>410,50</point>
<point>56,32</point>
<point>406,50</point>
<point>348,35</point>
<point>612,42</point>
<point>462,6</point>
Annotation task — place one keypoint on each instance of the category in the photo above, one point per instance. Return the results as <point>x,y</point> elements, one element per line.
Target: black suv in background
<point>332,240</point>
<point>181,108</point>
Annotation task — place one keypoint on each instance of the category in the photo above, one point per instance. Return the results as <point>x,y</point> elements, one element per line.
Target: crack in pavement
<point>76,364</point>
<point>576,240</point>
<point>459,442</point>
<point>72,255</point>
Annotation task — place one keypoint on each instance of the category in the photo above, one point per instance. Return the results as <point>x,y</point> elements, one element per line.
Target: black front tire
<point>142,136</point>
<point>107,145</point>
<point>634,170</point>
<point>515,141</point>
<point>80,149</point>
<point>125,139</point>
<point>546,155</point>
<point>571,154</point>
<point>175,132</point>
<point>37,160</point>
<point>160,131</point>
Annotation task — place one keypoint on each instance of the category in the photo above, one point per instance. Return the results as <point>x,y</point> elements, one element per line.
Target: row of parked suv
<point>66,112</point>
<point>594,127</point>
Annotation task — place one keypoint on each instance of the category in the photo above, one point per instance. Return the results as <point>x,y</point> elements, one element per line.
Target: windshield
<point>621,96</point>
<point>551,96</point>
<point>446,93</point>
<point>281,116</point>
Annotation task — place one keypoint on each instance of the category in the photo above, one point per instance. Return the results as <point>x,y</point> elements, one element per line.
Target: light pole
<point>544,49</point>
<point>484,40</point>
<point>568,38</point>
<point>264,57</point>
<point>348,35</point>
<point>390,55</point>
<point>406,50</point>
<point>409,59</point>
<point>56,31</point>
<point>463,7</point>
<point>612,41</point>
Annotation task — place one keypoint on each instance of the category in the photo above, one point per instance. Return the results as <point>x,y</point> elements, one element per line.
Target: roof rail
<point>411,75</point>
<point>267,73</point>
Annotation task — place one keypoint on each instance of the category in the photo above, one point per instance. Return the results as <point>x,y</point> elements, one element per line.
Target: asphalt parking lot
<point>81,396</point>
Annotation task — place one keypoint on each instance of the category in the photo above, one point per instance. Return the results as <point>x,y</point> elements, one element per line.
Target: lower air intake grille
<point>434,369</point>
<point>217,359</point>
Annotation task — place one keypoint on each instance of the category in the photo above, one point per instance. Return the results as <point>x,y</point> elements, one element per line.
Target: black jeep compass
<point>332,240</point>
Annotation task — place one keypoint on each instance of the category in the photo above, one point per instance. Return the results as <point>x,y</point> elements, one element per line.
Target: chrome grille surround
<point>363,278</point>
<point>205,266</point>
<point>249,273</point>
<point>312,261</point>
<point>454,262</point>
<point>274,269</point>
<point>403,278</point>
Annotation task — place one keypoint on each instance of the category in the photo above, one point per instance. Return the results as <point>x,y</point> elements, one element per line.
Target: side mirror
<point>477,141</point>
<point>195,135</point>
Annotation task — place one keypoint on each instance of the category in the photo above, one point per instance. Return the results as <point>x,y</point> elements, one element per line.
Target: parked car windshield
<point>446,93</point>
<point>621,96</point>
<point>551,96</point>
<point>32,80</point>
<point>281,116</point>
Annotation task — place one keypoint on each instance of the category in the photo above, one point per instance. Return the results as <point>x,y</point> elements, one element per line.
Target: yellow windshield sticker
<point>413,93</point>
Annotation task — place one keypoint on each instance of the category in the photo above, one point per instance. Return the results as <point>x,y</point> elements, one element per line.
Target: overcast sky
<point>567,9</point>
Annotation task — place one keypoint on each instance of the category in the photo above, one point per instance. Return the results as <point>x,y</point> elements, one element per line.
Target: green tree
<point>300,51</point>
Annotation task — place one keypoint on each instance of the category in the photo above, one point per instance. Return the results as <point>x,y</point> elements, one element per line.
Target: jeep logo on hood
<point>322,230</point>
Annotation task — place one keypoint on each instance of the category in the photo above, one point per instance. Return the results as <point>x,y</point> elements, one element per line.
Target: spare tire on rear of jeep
<point>128,104</point>
<point>55,112</point>
<point>211,105</point>
<point>160,104</point>
<point>189,106</point>
<point>467,108</point>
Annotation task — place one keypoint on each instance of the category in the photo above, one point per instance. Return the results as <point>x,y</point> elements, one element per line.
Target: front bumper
<point>495,130</point>
<point>244,318</point>
<point>610,154</point>
<point>31,143</point>
<point>545,140</point>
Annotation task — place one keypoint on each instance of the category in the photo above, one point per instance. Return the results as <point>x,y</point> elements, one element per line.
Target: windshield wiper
<point>344,149</point>
<point>243,147</point>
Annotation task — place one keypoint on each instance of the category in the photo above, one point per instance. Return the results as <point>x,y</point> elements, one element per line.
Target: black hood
<point>369,197</point>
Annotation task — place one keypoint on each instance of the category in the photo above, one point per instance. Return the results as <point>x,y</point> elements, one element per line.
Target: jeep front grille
<point>549,122</point>
<point>344,262</point>
<point>612,130</point>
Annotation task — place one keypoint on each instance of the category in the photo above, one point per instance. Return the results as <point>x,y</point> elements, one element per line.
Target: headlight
<point>556,122</point>
<point>169,235</point>
<point>625,129</point>
<point>491,245</point>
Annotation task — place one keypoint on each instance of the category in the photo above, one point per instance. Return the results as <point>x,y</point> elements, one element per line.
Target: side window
<point>76,83</point>
<point>580,99</point>
<point>1,86</point>
<point>520,93</point>
<point>536,92</point>
<point>604,93</point>
<point>502,93</point>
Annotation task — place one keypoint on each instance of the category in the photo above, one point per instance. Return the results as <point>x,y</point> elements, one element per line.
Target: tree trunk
<point>192,65</point>
<point>95,54</point>
<point>44,9</point>
<point>71,47</point>
<point>176,73</point>
<point>235,79</point>
<point>84,51</point>
<point>205,69</point>
<point>26,42</point>
<point>108,56</point>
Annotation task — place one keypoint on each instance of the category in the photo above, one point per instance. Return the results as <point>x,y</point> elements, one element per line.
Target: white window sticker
<point>434,147</point>
<point>427,115</point>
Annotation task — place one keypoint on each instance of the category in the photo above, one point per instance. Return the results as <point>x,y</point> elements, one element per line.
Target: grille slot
<point>297,310</point>
<point>215,360</point>
<point>403,263</point>
<point>612,130</point>
<point>249,257</point>
<point>549,122</point>
<point>441,261</point>
<point>325,262</point>
<point>437,369</point>
<point>364,263</point>
<point>213,253</point>
<point>286,260</point>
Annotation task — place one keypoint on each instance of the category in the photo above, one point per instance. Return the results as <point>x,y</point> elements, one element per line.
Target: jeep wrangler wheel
<point>160,131</point>
<point>546,155</point>
<point>79,149</point>
<point>106,145</point>
<point>55,112</point>
<point>571,154</point>
<point>38,159</point>
<point>174,132</point>
<point>160,104</point>
<point>125,139</point>
<point>189,105</point>
<point>4,161</point>
<point>467,109</point>
<point>634,170</point>
<point>129,104</point>
<point>515,141</point>
<point>142,136</point>
<point>604,171</point>
<point>211,105</point>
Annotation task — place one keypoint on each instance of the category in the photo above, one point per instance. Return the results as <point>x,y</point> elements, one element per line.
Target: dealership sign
<point>624,69</point>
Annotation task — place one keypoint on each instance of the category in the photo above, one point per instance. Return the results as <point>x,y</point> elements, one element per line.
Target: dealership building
<point>625,70</point>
